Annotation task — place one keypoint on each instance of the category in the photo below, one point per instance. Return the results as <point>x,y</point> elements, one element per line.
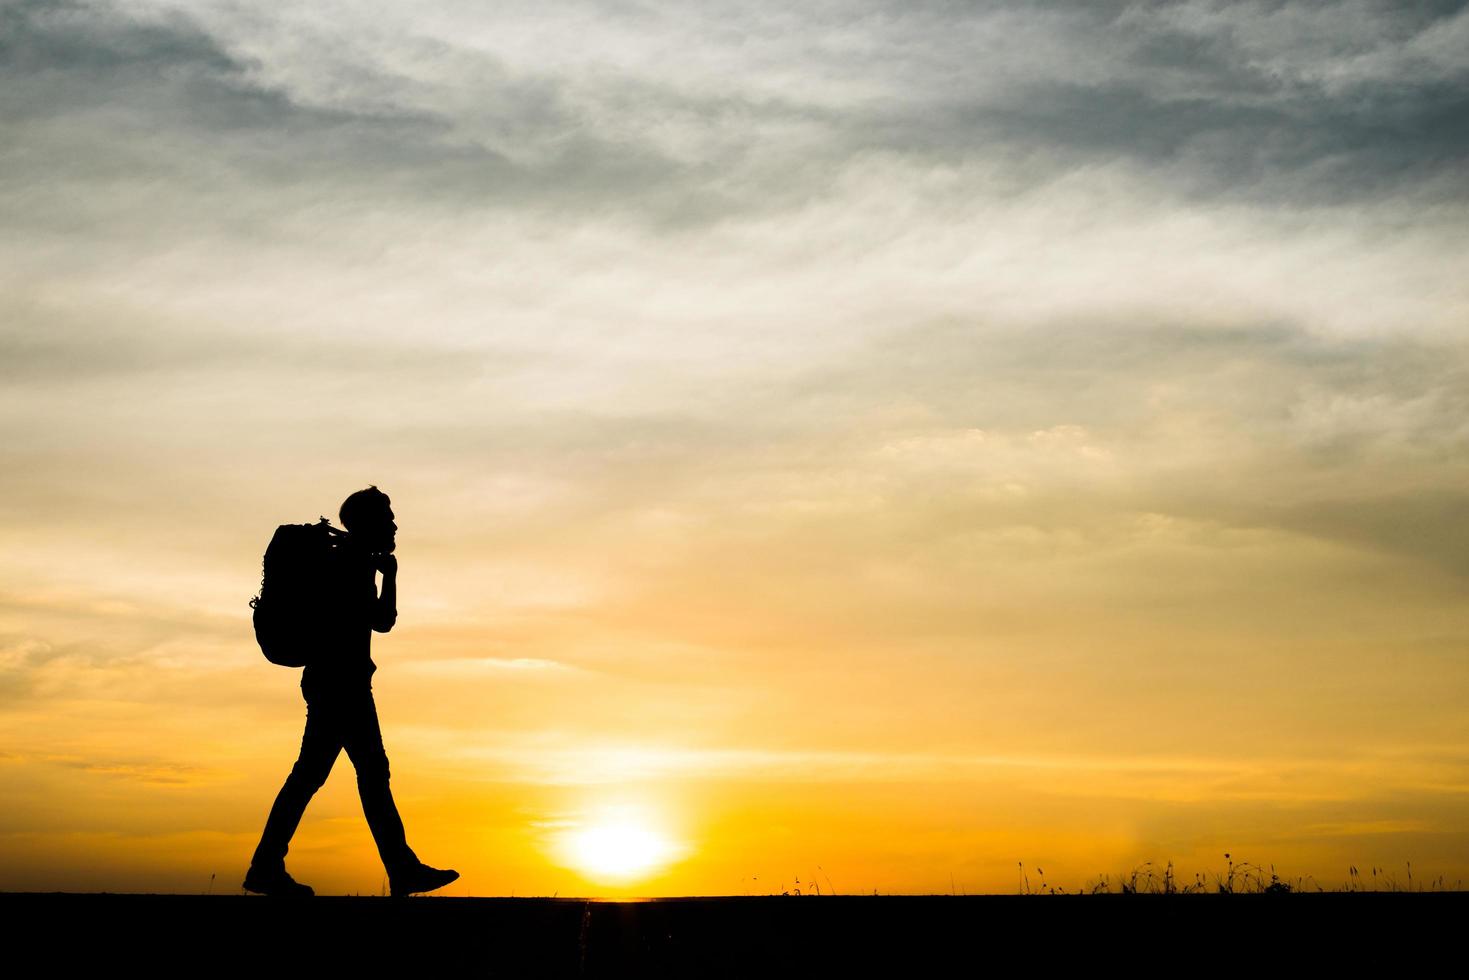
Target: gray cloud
<point>1282,103</point>
<point>96,99</point>
<point>137,127</point>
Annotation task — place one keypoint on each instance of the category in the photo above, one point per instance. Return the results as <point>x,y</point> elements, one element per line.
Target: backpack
<point>293,601</point>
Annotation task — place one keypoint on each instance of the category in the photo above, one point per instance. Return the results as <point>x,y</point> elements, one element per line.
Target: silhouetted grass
<point>1237,878</point>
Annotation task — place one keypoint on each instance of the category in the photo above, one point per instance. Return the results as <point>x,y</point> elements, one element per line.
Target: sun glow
<point>618,846</point>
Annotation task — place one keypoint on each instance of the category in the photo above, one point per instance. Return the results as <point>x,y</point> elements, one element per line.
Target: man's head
<point>368,516</point>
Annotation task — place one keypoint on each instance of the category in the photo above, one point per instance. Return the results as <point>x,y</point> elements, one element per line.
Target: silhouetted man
<point>340,712</point>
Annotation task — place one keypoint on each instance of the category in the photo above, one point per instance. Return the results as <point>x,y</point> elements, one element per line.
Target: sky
<point>870,446</point>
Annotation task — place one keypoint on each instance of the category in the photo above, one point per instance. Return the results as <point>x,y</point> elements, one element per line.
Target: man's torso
<point>344,656</point>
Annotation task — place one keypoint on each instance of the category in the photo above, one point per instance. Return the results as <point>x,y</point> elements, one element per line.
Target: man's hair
<point>360,503</point>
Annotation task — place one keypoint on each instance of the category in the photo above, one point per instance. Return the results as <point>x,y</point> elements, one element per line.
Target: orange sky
<point>803,473</point>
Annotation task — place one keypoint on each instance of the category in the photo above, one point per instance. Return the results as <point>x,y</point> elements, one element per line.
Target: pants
<point>338,717</point>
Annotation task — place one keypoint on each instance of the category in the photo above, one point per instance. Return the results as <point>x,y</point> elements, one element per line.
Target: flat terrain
<point>759,936</point>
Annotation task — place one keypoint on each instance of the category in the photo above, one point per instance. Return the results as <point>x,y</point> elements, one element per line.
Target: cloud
<point>656,116</point>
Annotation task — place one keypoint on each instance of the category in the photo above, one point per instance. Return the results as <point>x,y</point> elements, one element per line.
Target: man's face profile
<point>381,531</point>
<point>374,527</point>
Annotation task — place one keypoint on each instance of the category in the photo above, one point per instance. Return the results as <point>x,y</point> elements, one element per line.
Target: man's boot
<point>419,878</point>
<point>275,881</point>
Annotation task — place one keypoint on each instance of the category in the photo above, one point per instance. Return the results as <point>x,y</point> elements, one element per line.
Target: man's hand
<point>385,563</point>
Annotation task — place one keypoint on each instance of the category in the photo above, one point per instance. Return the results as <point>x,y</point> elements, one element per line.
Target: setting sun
<point>619,846</point>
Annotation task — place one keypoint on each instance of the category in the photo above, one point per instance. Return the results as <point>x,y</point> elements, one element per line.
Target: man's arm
<point>385,609</point>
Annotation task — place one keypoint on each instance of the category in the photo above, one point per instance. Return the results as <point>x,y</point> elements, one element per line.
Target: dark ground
<point>761,936</point>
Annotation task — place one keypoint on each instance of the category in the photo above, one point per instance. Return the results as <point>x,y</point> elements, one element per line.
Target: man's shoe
<point>421,878</point>
<point>275,882</point>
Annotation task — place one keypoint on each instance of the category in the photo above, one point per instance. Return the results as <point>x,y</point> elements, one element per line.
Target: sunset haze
<point>858,446</point>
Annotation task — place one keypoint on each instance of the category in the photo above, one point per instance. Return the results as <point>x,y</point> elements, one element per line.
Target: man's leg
<point>320,744</point>
<point>363,738</point>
